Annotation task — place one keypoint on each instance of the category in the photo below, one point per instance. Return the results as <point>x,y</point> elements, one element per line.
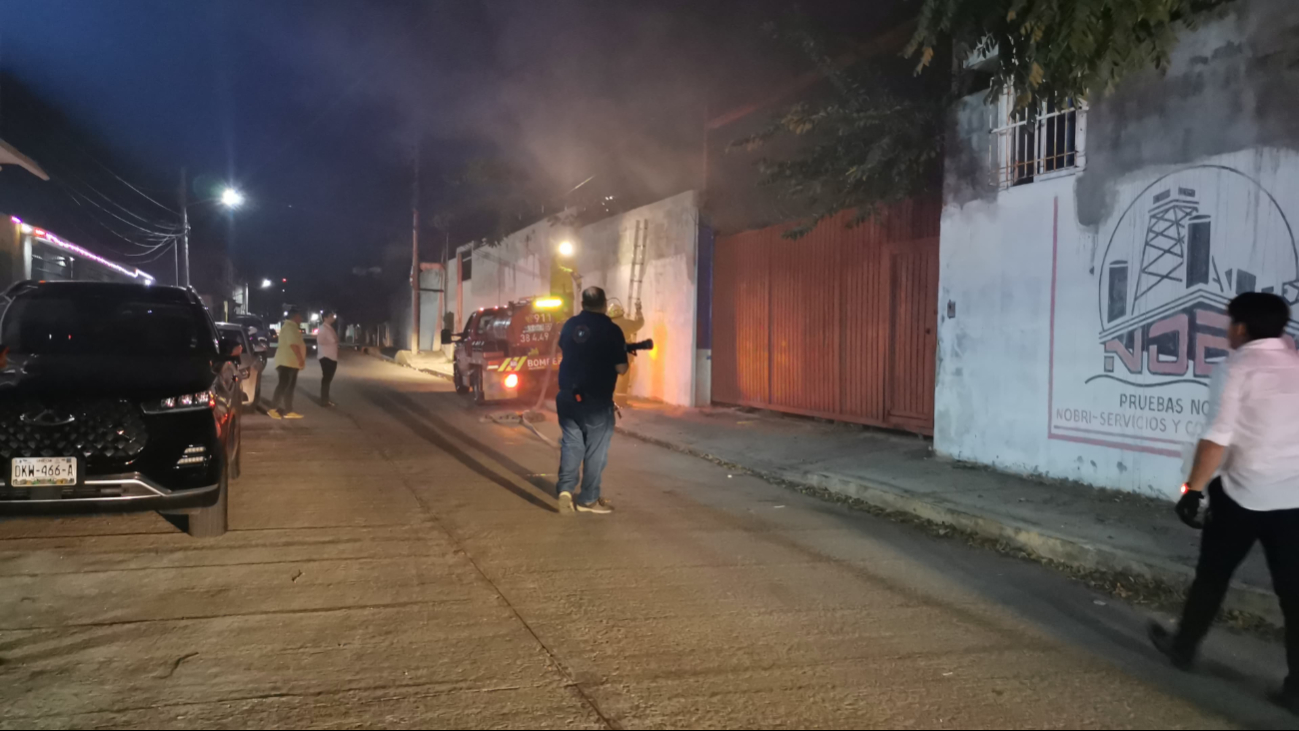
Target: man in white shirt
<point>1253,437</point>
<point>327,343</point>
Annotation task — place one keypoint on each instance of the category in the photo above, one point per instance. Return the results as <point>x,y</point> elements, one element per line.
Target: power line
<point>102,225</point>
<point>161,248</point>
<point>141,193</point>
<point>65,171</point>
<point>160,254</point>
<point>73,184</point>
<point>103,195</point>
<point>120,179</point>
<point>169,242</point>
<point>87,199</point>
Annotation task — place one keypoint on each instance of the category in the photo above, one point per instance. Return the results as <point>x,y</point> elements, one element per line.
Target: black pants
<point>1228,537</point>
<point>328,366</point>
<point>285,388</point>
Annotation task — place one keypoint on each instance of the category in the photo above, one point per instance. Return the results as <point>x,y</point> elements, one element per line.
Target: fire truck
<point>510,352</point>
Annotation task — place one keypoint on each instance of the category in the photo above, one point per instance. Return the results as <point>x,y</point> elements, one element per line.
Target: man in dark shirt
<point>595,354</point>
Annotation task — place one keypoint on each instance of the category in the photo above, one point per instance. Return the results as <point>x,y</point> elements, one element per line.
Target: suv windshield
<point>104,324</point>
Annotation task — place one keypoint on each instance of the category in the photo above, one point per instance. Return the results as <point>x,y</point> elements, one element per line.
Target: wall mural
<point>1134,373</point>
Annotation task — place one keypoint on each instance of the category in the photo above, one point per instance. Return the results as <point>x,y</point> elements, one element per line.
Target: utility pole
<point>414,258</point>
<point>184,232</point>
<point>446,286</point>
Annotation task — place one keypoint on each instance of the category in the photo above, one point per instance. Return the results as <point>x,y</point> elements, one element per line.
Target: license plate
<point>43,471</point>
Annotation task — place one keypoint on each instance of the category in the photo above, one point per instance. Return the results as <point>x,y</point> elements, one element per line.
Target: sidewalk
<point>434,363</point>
<point>1080,527</point>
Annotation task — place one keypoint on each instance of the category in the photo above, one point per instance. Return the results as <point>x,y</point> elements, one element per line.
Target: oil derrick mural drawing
<point>1179,253</point>
<point>1133,374</point>
<point>1166,239</point>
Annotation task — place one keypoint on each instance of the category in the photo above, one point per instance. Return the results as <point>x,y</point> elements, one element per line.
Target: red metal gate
<point>838,324</point>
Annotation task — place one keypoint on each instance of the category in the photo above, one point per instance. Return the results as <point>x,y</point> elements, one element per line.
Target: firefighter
<point>629,327</point>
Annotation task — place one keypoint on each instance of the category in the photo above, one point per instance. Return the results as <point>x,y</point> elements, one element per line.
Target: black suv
<point>116,397</point>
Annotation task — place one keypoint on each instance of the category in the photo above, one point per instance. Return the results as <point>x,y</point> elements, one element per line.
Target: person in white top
<point>327,344</point>
<point>1253,439</point>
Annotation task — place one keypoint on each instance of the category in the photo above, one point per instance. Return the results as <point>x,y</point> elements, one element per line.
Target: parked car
<point>255,325</point>
<point>258,334</point>
<point>310,331</point>
<point>116,398</point>
<point>251,365</point>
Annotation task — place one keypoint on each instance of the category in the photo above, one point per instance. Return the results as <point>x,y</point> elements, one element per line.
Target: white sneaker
<point>596,508</point>
<point>566,503</point>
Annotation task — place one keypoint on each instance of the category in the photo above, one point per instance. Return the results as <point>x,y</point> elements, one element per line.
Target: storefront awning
<point>10,156</point>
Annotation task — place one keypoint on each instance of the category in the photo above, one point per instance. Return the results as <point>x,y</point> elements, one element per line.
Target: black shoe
<point>1166,643</point>
<point>1286,699</point>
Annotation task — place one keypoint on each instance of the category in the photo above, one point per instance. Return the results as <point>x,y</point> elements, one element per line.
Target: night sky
<point>313,108</point>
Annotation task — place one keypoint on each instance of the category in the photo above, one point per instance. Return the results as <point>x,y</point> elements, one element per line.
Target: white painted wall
<point>430,318</point>
<point>995,266</point>
<point>520,267</point>
<point>1038,374</point>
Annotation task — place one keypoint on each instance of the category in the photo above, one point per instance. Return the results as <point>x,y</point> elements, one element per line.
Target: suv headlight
<point>201,400</point>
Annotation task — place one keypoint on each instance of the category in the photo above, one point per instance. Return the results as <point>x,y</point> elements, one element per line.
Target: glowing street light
<point>266,283</point>
<point>566,248</point>
<point>231,198</point>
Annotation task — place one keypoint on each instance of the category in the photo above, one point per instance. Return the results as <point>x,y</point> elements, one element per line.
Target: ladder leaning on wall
<point>640,244</point>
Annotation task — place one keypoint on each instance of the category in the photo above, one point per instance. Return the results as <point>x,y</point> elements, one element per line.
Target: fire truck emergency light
<point>548,303</point>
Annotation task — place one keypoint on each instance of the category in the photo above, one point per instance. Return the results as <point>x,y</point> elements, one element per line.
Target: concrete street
<point>398,562</point>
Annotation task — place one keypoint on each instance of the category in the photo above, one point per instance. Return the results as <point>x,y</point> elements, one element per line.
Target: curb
<point>435,374</point>
<point>1036,542</point>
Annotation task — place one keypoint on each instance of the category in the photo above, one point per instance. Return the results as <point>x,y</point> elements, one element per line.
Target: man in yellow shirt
<point>290,357</point>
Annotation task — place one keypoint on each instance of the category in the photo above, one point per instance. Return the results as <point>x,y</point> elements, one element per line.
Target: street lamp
<point>231,198</point>
<point>266,284</point>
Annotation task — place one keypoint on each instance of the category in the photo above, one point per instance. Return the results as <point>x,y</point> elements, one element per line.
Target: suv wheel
<point>211,522</point>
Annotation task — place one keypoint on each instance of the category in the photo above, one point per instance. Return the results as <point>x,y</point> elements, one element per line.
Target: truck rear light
<point>512,380</point>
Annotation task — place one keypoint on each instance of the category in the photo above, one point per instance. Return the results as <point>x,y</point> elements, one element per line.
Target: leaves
<point>853,155</point>
<point>872,141</point>
<point>1053,50</point>
<point>926,56</point>
<point>1035,76</point>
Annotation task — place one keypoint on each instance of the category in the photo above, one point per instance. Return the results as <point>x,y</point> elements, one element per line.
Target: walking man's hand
<point>1188,508</point>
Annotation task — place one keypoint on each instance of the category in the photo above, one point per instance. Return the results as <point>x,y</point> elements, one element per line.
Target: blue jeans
<point>588,428</point>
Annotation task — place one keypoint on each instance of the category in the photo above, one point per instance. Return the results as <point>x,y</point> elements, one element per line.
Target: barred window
<point>1053,144</point>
